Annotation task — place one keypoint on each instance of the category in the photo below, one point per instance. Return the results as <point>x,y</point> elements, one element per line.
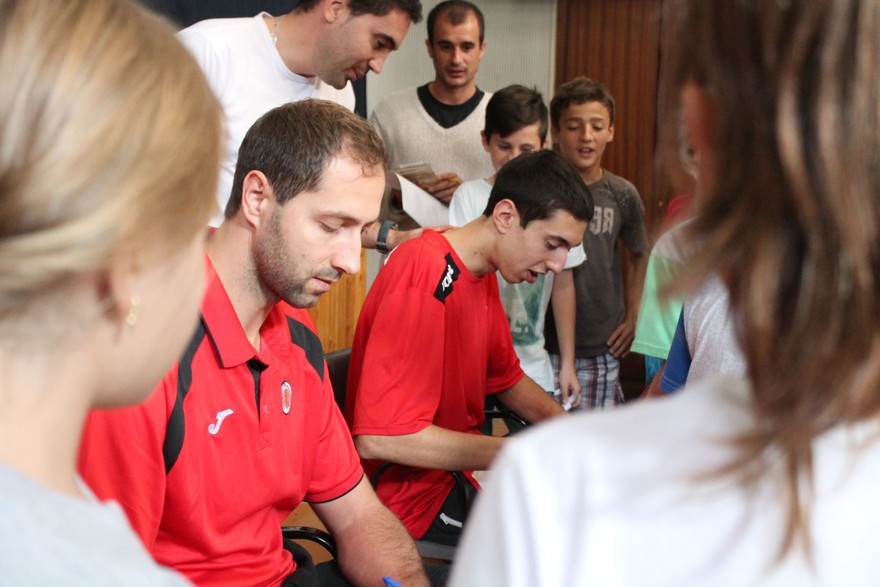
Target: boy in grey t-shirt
<point>582,124</point>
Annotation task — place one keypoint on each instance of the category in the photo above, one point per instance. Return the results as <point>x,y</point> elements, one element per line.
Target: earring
<point>133,311</point>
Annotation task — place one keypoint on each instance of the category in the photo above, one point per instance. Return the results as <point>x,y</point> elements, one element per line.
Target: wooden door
<point>618,43</point>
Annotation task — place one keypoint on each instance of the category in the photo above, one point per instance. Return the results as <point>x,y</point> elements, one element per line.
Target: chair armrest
<point>509,417</point>
<point>313,534</point>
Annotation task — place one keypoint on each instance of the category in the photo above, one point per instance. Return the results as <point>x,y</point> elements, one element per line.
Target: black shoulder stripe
<point>302,336</point>
<point>176,421</point>
<point>450,276</point>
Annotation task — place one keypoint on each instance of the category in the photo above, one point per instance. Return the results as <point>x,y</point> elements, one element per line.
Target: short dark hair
<point>293,144</point>
<point>456,12</point>
<point>413,8</point>
<point>578,91</point>
<point>513,108</point>
<point>540,183</point>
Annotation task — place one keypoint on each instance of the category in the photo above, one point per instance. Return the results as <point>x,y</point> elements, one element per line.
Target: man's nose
<point>377,63</point>
<point>348,256</point>
<point>557,262</point>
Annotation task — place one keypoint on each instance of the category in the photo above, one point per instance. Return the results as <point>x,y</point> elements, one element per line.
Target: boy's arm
<point>621,339</point>
<point>653,389</point>
<point>562,299</point>
<point>433,447</point>
<point>529,401</point>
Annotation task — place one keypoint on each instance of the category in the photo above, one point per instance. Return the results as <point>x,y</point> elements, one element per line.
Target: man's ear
<point>257,198</point>
<point>505,216</point>
<point>610,133</point>
<point>333,9</point>
<point>485,140</point>
<point>430,48</point>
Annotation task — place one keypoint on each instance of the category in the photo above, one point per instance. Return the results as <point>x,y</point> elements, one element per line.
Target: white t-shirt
<point>711,333</point>
<point>49,538</point>
<point>525,304</point>
<point>615,499</point>
<point>248,78</point>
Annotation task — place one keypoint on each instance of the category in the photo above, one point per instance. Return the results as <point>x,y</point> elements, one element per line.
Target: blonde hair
<point>793,220</point>
<point>109,142</point>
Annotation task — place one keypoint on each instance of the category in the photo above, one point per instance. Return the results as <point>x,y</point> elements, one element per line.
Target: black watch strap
<point>382,236</point>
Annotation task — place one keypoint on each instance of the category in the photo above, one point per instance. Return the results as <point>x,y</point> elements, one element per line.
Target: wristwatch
<point>382,236</point>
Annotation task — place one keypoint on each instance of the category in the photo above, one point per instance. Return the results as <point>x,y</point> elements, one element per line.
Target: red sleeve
<point>399,375</point>
<point>337,465</point>
<point>121,459</point>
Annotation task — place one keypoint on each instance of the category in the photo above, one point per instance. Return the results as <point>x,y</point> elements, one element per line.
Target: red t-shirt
<point>246,437</point>
<point>431,341</point>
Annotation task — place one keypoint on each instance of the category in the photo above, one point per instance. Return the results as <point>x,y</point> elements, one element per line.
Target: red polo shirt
<point>230,442</point>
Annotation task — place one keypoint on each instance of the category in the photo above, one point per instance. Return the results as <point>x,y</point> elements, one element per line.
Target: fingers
<point>570,388</point>
<point>443,191</point>
<point>445,186</point>
<point>621,340</point>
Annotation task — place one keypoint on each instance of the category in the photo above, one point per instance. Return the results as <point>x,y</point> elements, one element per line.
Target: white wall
<point>520,44</point>
<point>520,37</point>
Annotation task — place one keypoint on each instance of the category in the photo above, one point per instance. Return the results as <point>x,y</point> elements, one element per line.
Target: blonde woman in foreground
<point>772,482</point>
<point>109,146</point>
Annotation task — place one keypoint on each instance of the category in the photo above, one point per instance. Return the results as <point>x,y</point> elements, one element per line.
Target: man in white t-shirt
<point>255,64</point>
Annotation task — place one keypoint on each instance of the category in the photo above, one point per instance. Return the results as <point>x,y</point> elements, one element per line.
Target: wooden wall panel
<point>617,42</point>
<point>337,311</point>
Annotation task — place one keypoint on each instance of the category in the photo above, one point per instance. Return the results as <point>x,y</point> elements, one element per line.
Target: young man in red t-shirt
<point>432,340</point>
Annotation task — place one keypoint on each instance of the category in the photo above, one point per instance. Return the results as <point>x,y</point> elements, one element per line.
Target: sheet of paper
<point>422,206</point>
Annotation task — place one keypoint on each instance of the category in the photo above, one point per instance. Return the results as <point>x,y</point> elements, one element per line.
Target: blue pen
<point>389,582</point>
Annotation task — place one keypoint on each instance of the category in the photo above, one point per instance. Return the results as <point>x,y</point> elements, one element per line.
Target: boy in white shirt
<point>516,123</point>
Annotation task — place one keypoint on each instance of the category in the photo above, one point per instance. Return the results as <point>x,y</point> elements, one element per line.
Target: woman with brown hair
<point>773,480</point>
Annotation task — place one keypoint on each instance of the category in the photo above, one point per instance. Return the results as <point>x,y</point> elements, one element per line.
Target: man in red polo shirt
<point>244,428</point>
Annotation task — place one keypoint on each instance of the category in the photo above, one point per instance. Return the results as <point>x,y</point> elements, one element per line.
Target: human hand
<point>569,387</point>
<point>621,339</point>
<point>445,186</point>
<point>396,237</point>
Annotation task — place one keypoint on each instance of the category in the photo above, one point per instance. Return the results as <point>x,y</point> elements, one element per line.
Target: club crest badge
<point>286,397</point>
